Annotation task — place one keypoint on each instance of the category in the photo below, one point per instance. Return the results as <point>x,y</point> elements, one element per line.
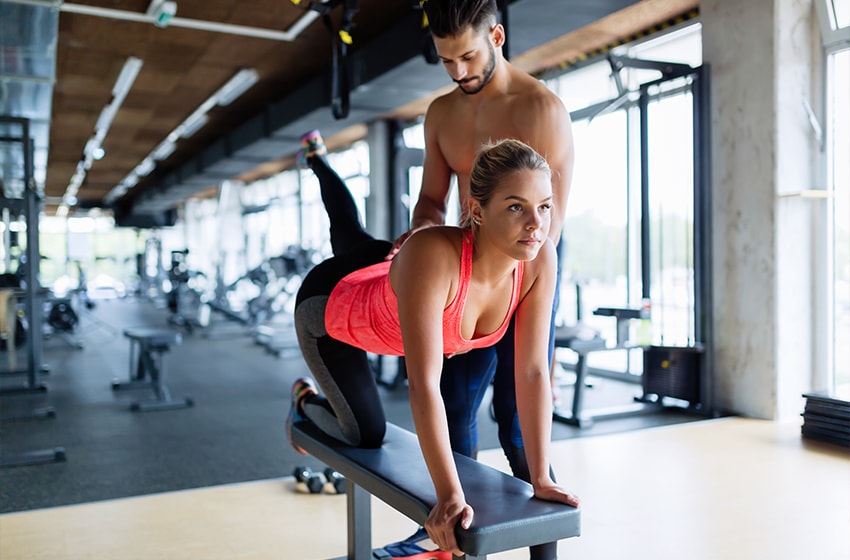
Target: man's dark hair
<point>449,18</point>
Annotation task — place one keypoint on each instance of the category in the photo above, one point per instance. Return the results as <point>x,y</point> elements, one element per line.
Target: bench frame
<point>507,516</point>
<point>147,368</point>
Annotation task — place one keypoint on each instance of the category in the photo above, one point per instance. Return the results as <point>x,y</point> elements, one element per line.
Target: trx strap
<point>341,39</point>
<point>340,68</point>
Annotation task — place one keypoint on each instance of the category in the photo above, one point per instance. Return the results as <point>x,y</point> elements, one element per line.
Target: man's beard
<point>487,74</point>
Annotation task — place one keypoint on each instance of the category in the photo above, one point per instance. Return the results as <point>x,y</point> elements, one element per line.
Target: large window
<point>352,165</point>
<point>834,18</point>
<point>87,250</point>
<point>839,177</point>
<point>602,245</point>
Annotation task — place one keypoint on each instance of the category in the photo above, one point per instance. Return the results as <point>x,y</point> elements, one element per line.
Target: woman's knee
<point>372,434</point>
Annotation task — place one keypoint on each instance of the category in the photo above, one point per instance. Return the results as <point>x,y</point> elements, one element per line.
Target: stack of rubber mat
<point>827,418</point>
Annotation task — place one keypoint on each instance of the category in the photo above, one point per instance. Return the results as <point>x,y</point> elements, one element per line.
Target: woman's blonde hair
<point>495,161</point>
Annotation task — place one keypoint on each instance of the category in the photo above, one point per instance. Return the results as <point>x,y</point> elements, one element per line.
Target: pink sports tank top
<point>362,310</point>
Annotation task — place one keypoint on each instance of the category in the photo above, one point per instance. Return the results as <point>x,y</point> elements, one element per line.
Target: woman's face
<point>517,218</point>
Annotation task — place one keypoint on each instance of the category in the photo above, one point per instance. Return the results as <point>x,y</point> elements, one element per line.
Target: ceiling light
<point>145,167</point>
<point>165,149</point>
<point>236,86</point>
<point>125,80</point>
<point>225,95</point>
<point>93,150</point>
<point>191,125</point>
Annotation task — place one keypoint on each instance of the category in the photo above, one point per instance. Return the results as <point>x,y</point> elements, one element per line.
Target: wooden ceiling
<point>183,67</point>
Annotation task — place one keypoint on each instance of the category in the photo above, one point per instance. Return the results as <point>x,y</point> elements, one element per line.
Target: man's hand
<point>442,521</point>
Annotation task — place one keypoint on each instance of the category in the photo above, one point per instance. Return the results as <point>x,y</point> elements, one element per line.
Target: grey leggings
<point>350,409</point>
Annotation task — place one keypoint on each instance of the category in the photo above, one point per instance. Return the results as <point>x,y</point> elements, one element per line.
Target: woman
<point>447,290</point>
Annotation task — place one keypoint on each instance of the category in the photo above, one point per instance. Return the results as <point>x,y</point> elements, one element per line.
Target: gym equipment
<point>150,270</point>
<point>28,206</point>
<point>278,336</point>
<point>147,368</point>
<point>182,300</point>
<point>341,39</point>
<point>507,516</point>
<point>570,338</point>
<point>62,316</point>
<point>20,337</point>
<point>62,320</point>
<point>254,311</point>
<point>328,482</point>
<point>659,379</point>
<point>335,482</point>
<point>307,482</point>
<point>827,417</point>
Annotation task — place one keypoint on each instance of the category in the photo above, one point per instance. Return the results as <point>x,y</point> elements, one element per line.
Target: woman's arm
<point>424,276</point>
<point>533,389</point>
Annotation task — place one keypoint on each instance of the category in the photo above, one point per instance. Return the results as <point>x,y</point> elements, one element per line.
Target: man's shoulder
<point>533,95</point>
<point>445,102</point>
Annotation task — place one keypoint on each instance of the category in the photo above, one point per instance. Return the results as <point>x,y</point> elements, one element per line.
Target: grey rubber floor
<point>233,433</point>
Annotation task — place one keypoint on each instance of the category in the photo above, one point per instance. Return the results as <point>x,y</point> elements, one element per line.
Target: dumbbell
<point>308,482</point>
<point>335,482</point>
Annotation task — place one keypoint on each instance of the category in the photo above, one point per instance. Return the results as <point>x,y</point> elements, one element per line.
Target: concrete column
<point>762,55</point>
<point>378,204</point>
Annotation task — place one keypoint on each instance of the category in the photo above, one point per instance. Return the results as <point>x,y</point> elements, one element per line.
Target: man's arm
<point>430,207</point>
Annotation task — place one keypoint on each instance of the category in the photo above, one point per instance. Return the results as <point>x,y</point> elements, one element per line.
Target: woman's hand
<point>442,521</point>
<point>554,493</point>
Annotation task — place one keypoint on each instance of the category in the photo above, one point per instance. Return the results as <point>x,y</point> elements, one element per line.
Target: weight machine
<point>27,206</point>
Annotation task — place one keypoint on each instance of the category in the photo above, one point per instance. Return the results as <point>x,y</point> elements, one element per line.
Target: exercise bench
<point>507,516</point>
<point>147,367</point>
<point>576,339</point>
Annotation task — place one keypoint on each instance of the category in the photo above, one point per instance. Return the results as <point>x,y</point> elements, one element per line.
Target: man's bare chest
<point>466,136</point>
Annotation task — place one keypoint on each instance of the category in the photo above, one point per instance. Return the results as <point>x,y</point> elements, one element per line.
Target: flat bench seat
<point>147,367</point>
<point>507,516</point>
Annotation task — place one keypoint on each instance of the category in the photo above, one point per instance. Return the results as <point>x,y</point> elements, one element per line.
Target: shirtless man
<point>493,100</point>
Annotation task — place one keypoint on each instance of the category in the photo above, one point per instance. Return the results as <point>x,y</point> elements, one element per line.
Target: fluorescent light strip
<point>92,150</point>
<point>289,35</point>
<point>190,126</point>
<point>146,166</point>
<point>236,86</point>
<point>241,82</point>
<point>165,149</point>
<point>125,79</point>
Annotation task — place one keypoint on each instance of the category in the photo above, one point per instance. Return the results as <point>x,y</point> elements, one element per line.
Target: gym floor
<point>234,433</point>
<point>720,489</point>
<point>215,480</point>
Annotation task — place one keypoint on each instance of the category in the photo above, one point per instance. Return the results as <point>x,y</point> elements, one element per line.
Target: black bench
<point>583,341</point>
<point>507,516</point>
<point>147,367</point>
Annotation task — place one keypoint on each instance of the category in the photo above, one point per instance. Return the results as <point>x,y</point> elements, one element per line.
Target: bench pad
<point>153,336</point>
<point>507,516</point>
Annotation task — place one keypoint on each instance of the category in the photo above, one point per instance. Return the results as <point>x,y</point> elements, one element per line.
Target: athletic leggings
<point>350,409</point>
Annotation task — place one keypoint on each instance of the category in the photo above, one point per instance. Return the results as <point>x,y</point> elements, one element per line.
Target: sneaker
<point>312,144</point>
<point>417,546</point>
<point>301,389</point>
